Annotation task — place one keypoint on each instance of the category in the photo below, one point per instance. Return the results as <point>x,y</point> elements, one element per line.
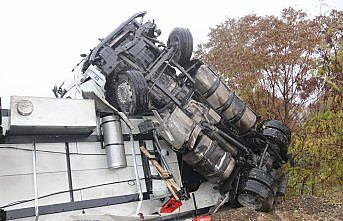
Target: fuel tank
<point>210,160</point>
<point>223,100</point>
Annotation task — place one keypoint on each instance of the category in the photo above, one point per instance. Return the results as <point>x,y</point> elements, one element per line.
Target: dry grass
<point>302,208</point>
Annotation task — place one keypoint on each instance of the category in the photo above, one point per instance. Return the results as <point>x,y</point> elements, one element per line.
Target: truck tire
<point>279,126</point>
<point>262,176</point>
<point>256,195</point>
<point>127,91</point>
<point>278,133</point>
<point>182,40</point>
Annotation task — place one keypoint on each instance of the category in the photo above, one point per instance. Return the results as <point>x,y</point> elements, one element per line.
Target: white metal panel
<point>14,162</point>
<point>19,161</point>
<point>171,157</point>
<point>91,174</point>
<point>206,195</point>
<point>52,116</point>
<point>92,156</point>
<point>101,176</point>
<point>89,170</point>
<point>16,178</point>
<point>20,187</point>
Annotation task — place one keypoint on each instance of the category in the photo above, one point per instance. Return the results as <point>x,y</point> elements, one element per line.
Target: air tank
<point>113,141</point>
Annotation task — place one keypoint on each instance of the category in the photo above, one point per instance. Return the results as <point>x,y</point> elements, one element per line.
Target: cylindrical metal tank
<point>180,127</point>
<point>210,160</point>
<point>223,100</point>
<point>237,113</point>
<point>113,141</point>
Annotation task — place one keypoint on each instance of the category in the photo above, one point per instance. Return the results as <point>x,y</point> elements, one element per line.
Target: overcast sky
<point>40,41</point>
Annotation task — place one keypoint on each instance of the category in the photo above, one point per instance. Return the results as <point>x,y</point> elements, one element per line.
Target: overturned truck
<point>206,123</point>
<point>184,107</point>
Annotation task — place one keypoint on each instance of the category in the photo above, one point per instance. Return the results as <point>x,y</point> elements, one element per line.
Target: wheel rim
<point>249,200</point>
<point>175,42</point>
<point>125,96</point>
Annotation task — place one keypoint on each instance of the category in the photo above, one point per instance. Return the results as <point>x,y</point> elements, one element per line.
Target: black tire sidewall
<point>184,42</point>
<point>139,88</point>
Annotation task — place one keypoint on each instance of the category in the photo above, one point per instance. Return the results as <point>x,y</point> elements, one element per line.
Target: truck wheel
<point>262,177</point>
<point>279,133</point>
<point>276,135</point>
<point>256,195</point>
<point>279,126</point>
<point>182,40</point>
<point>128,92</point>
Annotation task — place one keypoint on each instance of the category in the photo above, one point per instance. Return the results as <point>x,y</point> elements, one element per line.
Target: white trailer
<point>54,166</point>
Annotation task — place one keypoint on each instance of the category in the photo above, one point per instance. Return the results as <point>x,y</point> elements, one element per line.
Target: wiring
<point>53,152</point>
<point>65,191</point>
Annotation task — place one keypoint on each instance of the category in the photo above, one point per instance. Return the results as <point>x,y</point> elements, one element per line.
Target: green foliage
<point>318,154</point>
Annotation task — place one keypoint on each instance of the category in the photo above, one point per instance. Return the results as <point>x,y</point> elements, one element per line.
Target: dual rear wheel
<point>257,191</point>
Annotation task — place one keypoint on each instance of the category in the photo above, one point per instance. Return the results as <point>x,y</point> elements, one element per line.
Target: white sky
<point>40,40</point>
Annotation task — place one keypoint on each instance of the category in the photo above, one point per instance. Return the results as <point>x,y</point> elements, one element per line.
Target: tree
<point>290,68</point>
<point>267,57</point>
<point>318,145</point>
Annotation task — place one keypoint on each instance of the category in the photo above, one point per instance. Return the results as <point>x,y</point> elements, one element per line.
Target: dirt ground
<point>302,208</point>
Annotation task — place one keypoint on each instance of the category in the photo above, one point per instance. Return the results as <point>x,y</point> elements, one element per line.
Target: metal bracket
<point>163,125</point>
<point>34,162</point>
<point>219,203</point>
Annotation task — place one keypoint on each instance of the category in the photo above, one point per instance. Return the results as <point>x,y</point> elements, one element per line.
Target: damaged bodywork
<point>175,138</point>
<point>221,139</point>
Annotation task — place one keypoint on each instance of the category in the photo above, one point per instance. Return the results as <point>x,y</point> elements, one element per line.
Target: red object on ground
<point>203,218</point>
<point>171,205</point>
